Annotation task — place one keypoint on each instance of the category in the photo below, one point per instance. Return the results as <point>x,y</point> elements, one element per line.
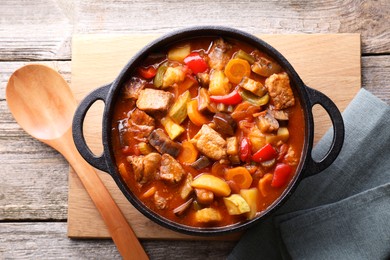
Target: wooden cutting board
<point>327,62</point>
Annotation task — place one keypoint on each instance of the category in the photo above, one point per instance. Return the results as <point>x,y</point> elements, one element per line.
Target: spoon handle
<point>122,234</point>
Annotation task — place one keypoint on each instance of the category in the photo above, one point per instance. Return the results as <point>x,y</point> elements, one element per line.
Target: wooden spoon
<point>43,104</point>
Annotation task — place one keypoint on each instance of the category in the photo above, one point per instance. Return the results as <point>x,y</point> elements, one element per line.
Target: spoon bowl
<point>43,105</point>
<point>40,101</point>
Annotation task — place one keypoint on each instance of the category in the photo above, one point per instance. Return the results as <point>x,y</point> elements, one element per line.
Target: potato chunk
<point>250,196</point>
<point>209,182</point>
<point>219,83</point>
<point>236,204</point>
<point>208,215</point>
<point>173,75</point>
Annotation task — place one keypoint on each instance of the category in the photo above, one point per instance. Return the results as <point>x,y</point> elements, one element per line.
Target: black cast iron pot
<point>109,93</point>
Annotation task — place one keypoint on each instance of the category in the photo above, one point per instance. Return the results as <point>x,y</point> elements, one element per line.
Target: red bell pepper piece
<point>281,173</point>
<point>232,98</point>
<point>196,63</point>
<point>266,153</point>
<point>245,150</point>
<point>147,72</point>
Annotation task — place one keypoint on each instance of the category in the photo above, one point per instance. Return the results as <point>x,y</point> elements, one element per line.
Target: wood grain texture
<point>46,27</point>
<point>41,30</point>
<point>98,59</point>
<point>48,241</point>
<point>376,76</point>
<point>33,184</point>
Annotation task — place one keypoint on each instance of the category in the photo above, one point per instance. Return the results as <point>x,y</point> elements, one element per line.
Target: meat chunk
<point>145,168</point>
<point>152,100</point>
<point>204,196</point>
<point>171,170</point>
<point>210,143</point>
<point>280,90</point>
<point>159,201</point>
<point>133,87</point>
<point>218,56</point>
<point>140,125</point>
<point>163,144</point>
<point>173,75</point>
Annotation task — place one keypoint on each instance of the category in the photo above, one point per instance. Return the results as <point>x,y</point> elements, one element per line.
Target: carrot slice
<point>236,69</point>
<point>240,176</point>
<point>218,169</point>
<point>265,184</point>
<point>188,153</point>
<point>186,84</point>
<point>150,192</point>
<point>193,113</point>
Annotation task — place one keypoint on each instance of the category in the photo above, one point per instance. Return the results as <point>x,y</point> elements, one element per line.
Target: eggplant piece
<point>133,87</point>
<point>265,67</point>
<point>183,207</point>
<point>203,99</point>
<point>267,123</point>
<point>218,55</point>
<point>221,107</point>
<point>122,129</point>
<point>224,123</point>
<point>253,86</point>
<point>203,79</point>
<point>163,144</point>
<point>280,115</point>
<point>234,159</point>
<point>201,163</point>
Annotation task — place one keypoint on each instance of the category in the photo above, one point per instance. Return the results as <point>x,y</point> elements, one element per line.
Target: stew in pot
<point>208,133</point>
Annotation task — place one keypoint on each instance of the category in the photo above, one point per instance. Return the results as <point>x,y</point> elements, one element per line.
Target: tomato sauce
<point>255,124</point>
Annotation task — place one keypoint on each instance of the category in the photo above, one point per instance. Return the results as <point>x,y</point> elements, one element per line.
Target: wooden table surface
<point>33,186</point>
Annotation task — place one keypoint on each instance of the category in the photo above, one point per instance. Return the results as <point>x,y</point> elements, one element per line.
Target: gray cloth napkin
<point>342,212</point>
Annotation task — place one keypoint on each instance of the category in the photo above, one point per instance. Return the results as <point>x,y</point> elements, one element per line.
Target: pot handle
<point>319,98</point>
<point>77,128</point>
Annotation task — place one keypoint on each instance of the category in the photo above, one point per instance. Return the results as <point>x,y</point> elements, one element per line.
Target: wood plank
<point>33,240</point>
<point>34,30</point>
<point>376,76</point>
<point>42,29</point>
<point>315,57</point>
<point>33,176</point>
